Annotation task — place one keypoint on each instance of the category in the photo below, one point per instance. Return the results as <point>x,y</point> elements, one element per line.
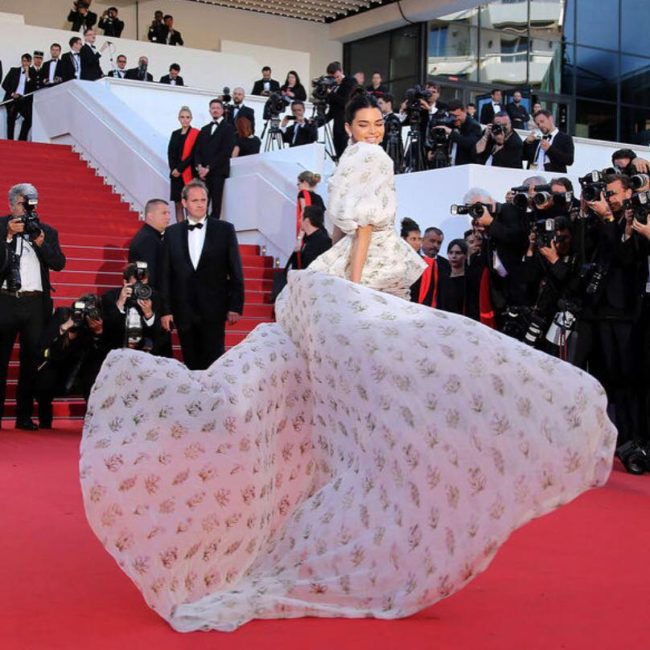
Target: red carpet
<point>576,579</point>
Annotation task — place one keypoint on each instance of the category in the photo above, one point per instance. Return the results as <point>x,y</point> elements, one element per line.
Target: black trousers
<point>642,343</point>
<point>215,188</point>
<point>340,138</point>
<point>202,343</point>
<point>23,317</point>
<point>19,107</point>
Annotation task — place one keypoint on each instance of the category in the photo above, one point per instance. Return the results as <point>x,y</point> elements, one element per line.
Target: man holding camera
<point>81,17</point>
<point>462,137</point>
<point>147,244</point>
<point>337,99</point>
<point>500,146</point>
<point>140,73</point>
<point>301,131</point>
<point>265,86</point>
<point>167,34</point>
<point>111,24</point>
<point>553,151</point>
<point>25,303</point>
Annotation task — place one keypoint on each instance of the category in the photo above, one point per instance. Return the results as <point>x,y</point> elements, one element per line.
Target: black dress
<point>248,146</point>
<point>454,297</point>
<point>314,199</point>
<point>299,92</point>
<point>175,160</point>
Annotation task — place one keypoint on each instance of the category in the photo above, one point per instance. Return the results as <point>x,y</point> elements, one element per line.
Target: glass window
<point>595,120</point>
<point>598,23</point>
<point>635,125</point>
<point>635,26</point>
<point>503,57</point>
<point>635,80</point>
<point>596,73</point>
<point>569,21</point>
<point>369,54</point>
<point>404,52</point>
<point>452,49</point>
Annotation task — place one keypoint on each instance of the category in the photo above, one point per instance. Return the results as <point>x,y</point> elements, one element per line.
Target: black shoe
<point>635,458</point>
<point>45,424</point>
<point>26,425</point>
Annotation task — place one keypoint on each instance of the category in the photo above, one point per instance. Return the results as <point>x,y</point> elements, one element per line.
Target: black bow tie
<point>547,137</point>
<point>191,226</point>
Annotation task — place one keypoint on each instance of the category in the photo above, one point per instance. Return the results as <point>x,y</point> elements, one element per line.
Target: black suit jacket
<point>115,75</point>
<point>146,246</point>
<point>11,81</point>
<point>307,134</point>
<point>208,292</point>
<point>68,68</point>
<point>78,20</point>
<point>37,77</point>
<point>244,111</point>
<point>258,86</point>
<point>466,138</point>
<point>509,156</point>
<point>176,38</point>
<point>487,113</point>
<point>560,154</point>
<point>58,71</point>
<point>214,151</point>
<point>133,73</point>
<point>313,245</point>
<point>49,255</point>
<point>337,100</point>
<point>519,116</point>
<point>90,68</point>
<point>111,27</point>
<point>166,79</point>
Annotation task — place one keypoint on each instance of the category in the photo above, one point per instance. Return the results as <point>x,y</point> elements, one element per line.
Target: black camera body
<point>139,289</point>
<point>275,105</point>
<point>497,129</point>
<point>83,309</point>
<point>545,231</point>
<point>475,210</point>
<point>30,218</point>
<point>321,87</point>
<point>640,204</point>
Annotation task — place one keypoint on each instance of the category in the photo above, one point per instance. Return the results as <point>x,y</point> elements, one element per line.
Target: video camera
<point>275,104</point>
<point>413,97</point>
<point>322,87</point>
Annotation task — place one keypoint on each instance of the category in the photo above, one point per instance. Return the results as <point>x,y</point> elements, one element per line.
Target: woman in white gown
<point>364,456</point>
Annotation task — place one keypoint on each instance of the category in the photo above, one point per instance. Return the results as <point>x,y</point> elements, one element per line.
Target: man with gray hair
<point>239,110</point>
<point>25,304</point>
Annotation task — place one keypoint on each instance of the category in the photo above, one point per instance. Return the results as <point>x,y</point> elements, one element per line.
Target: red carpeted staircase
<point>95,228</point>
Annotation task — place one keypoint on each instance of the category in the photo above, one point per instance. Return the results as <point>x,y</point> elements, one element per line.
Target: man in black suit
<point>18,83</point>
<point>337,99</point>
<point>111,24</point>
<point>212,153</point>
<point>518,114</point>
<point>91,70</point>
<point>202,279</point>
<point>173,78</point>
<point>140,73</point>
<point>25,303</point>
<point>239,110</point>
<point>313,240</point>
<point>463,137</point>
<point>120,71</point>
<point>52,72</point>
<point>168,35</point>
<point>432,240</point>
<point>554,151</point>
<point>377,87</point>
<point>499,145</point>
<point>301,131</point>
<point>153,33</point>
<point>71,61</point>
<point>491,108</point>
<point>147,244</point>
<point>81,17</point>
<point>265,86</point>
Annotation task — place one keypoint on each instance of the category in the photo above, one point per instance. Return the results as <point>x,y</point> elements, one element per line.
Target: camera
<point>497,129</point>
<point>592,185</point>
<point>414,95</point>
<point>639,180</point>
<point>474,210</point>
<point>526,324</point>
<point>545,231</point>
<point>521,198</point>
<point>634,457</point>
<point>12,274</point>
<point>640,204</point>
<point>85,308</point>
<point>322,87</point>
<point>140,290</point>
<point>592,275</point>
<point>30,218</point>
<point>275,105</point>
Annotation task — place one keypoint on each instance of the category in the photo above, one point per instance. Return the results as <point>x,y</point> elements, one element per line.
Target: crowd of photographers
<point>567,276</point>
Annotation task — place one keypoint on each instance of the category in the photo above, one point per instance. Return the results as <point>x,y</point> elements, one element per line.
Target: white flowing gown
<point>364,456</point>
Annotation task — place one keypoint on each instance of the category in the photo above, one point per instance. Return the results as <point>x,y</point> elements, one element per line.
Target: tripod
<point>274,136</point>
<point>394,146</point>
<point>414,154</point>
<point>318,117</point>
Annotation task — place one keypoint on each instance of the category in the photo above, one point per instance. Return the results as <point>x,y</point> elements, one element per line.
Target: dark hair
<point>152,203</point>
<point>612,178</point>
<point>543,112</point>
<point>265,68</point>
<point>408,226</point>
<point>470,104</point>
<point>315,214</point>
<point>359,99</point>
<point>433,84</point>
<point>175,66</point>
<point>564,182</point>
<point>333,67</point>
<point>467,233</point>
<point>461,243</point>
<point>166,16</point>
<point>216,101</point>
<point>434,229</point>
<point>387,97</point>
<point>298,102</point>
<point>73,40</point>
<point>455,104</point>
<point>311,178</point>
<point>243,127</point>
<point>562,223</point>
<point>295,74</point>
<point>27,56</point>
<point>495,90</point>
<point>623,153</point>
<point>131,271</point>
<point>56,45</point>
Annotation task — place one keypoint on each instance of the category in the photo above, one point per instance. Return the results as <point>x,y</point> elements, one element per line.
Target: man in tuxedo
<point>517,112</point>
<point>463,137</point>
<point>71,61</point>
<point>430,287</point>
<point>265,86</point>
<point>120,71</point>
<point>337,100</point>
<point>153,33</point>
<point>52,72</point>
<point>168,35</point>
<point>173,78</point>
<point>212,153</point>
<point>81,17</point>
<point>147,244</point>
<point>491,108</point>
<point>91,70</point>
<point>202,279</point>
<point>111,24</point>
<point>25,303</point>
<point>301,131</point>
<point>140,73</point>
<point>239,110</point>
<point>554,151</point>
<point>500,146</point>
<point>18,83</point>
<point>313,239</point>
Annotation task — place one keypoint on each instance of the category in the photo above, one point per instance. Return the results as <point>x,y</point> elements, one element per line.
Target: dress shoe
<point>45,424</point>
<point>26,425</point>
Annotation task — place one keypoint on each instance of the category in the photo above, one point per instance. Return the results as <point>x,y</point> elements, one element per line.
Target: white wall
<point>203,26</point>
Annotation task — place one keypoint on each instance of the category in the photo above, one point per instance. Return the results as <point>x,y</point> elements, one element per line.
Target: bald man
<point>238,109</point>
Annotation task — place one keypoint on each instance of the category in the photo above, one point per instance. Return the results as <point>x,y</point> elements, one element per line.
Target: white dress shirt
<point>52,71</point>
<point>22,82</point>
<point>30,266</point>
<point>215,124</point>
<point>76,59</point>
<point>195,241</point>
<point>541,159</point>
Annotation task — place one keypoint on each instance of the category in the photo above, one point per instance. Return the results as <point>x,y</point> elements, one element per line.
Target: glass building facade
<point>588,61</point>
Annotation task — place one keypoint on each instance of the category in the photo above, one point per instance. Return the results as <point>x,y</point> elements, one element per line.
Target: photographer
<point>81,17</point>
<point>266,85</point>
<point>132,314</point>
<point>552,151</point>
<point>25,303</point>
<point>302,131</point>
<point>392,142</point>
<point>167,34</point>
<point>154,31</point>
<point>463,137</point>
<point>627,162</point>
<point>73,349</point>
<point>337,100</point>
<point>110,23</point>
<point>499,145</point>
<point>140,73</point>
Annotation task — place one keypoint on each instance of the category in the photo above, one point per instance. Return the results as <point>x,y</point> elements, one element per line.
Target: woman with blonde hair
<point>180,156</point>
